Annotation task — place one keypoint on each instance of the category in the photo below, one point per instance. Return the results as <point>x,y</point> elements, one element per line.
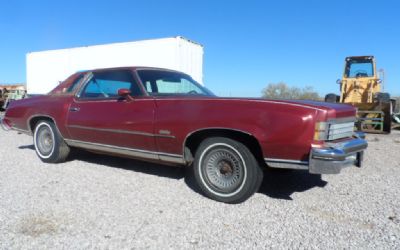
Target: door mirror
<point>125,93</point>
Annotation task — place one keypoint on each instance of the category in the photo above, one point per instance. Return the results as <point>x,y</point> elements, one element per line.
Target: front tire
<point>49,145</point>
<point>226,170</point>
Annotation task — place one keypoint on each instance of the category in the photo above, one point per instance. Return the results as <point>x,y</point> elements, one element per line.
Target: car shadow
<point>277,183</point>
<point>282,183</point>
<point>166,171</point>
<point>27,147</point>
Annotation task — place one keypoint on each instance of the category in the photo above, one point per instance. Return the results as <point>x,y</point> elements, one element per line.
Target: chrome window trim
<point>89,75</point>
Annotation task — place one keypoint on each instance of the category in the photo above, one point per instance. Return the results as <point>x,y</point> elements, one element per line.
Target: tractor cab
<point>360,81</point>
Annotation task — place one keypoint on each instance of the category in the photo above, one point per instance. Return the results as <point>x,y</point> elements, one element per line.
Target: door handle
<point>74,109</point>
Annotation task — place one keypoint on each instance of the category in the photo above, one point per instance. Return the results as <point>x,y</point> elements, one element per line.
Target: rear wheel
<point>49,145</point>
<point>226,170</point>
<point>382,97</point>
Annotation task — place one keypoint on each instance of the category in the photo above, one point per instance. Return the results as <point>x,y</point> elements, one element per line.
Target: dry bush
<point>282,91</point>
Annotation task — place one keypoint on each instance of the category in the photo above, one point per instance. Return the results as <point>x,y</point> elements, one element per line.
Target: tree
<point>282,91</point>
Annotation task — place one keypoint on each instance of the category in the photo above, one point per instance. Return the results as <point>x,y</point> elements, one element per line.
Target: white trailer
<point>45,69</point>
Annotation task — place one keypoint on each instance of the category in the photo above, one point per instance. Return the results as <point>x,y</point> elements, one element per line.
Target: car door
<point>99,119</point>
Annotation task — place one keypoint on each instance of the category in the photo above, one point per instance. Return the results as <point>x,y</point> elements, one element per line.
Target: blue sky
<point>248,44</point>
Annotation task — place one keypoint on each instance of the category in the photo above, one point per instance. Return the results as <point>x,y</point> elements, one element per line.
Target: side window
<point>75,84</point>
<point>106,84</point>
<point>148,87</point>
<point>176,86</point>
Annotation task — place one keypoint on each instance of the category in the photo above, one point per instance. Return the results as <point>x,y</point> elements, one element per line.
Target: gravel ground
<point>102,202</point>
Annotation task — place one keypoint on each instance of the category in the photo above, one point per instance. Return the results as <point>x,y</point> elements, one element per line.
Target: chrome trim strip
<point>171,159</point>
<point>174,158</point>
<point>342,120</point>
<point>286,164</point>
<point>251,100</point>
<point>286,161</point>
<point>120,131</point>
<point>86,78</point>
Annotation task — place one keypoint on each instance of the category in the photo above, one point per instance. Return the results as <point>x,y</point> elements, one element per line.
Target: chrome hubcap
<point>45,141</point>
<point>224,170</point>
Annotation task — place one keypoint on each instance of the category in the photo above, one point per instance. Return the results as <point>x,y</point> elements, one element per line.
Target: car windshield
<point>162,82</point>
<point>359,68</point>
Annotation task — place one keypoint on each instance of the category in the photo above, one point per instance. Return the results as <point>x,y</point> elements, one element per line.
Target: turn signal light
<point>320,131</point>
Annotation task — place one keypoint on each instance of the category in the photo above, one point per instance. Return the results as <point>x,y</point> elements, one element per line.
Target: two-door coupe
<point>165,116</point>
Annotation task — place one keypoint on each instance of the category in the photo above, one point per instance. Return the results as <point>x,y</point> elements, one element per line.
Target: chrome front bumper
<point>329,159</point>
<point>335,156</point>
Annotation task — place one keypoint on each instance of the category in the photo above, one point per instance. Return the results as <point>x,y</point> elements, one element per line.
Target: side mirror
<point>338,81</point>
<point>125,93</point>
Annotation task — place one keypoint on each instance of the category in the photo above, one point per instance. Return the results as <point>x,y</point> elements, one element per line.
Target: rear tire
<point>226,171</point>
<point>382,97</point>
<point>49,144</point>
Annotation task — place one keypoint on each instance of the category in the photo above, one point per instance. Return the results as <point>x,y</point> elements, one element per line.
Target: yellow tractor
<point>361,86</point>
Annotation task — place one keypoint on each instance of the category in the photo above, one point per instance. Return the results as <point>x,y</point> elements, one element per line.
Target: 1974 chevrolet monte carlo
<point>165,116</point>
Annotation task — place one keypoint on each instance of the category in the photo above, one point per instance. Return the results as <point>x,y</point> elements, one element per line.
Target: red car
<point>165,116</point>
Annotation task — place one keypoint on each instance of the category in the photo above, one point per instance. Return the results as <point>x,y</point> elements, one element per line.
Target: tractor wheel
<point>382,97</point>
<point>331,98</point>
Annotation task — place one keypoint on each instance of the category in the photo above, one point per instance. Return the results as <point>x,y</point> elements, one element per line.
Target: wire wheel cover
<point>223,169</point>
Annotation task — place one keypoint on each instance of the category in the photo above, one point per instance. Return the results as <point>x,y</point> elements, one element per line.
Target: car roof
<point>128,68</point>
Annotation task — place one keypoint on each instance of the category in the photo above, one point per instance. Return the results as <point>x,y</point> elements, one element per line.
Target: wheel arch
<point>193,140</point>
<point>33,120</point>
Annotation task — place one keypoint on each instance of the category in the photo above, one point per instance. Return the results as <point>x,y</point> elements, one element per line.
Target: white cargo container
<point>45,69</point>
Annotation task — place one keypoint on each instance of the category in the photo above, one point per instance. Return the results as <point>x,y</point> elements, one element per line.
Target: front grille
<point>340,129</point>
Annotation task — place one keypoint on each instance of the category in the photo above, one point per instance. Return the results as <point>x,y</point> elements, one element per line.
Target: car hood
<point>334,110</point>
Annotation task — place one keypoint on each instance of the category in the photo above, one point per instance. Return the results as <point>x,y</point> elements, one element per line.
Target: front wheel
<point>49,145</point>
<point>226,170</point>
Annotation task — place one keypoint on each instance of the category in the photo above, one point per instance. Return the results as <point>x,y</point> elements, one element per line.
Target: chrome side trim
<point>286,161</point>
<point>172,159</point>
<point>120,131</point>
<point>254,100</point>
<point>139,153</point>
<point>286,164</point>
